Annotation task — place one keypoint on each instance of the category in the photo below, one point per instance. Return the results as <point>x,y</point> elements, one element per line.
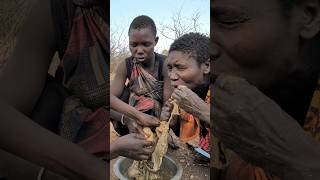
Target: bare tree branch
<point>180,25</point>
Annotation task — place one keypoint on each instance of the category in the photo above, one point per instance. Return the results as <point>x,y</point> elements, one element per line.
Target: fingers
<point>149,121</point>
<point>148,143</point>
<point>140,130</point>
<point>183,88</point>
<point>156,121</point>
<point>142,157</point>
<point>140,136</point>
<point>181,92</point>
<point>166,111</point>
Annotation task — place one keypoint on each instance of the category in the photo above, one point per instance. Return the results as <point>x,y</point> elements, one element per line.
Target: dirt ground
<point>185,156</point>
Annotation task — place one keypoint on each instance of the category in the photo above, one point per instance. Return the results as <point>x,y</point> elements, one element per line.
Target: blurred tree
<point>180,25</point>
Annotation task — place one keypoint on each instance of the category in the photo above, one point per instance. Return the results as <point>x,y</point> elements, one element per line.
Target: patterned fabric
<point>146,90</point>
<point>241,170</point>
<point>204,141</point>
<point>82,36</point>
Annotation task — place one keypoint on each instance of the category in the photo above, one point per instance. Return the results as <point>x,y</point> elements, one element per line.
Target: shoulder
<point>123,66</point>
<point>161,57</point>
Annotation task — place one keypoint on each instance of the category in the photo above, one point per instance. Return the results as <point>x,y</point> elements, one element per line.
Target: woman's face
<point>183,69</point>
<point>142,43</point>
<point>254,40</point>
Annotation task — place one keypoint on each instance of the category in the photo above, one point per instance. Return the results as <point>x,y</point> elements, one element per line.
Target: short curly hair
<point>195,44</point>
<point>141,22</point>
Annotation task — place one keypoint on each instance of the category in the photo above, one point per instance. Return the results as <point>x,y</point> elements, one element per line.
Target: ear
<point>310,19</point>
<point>206,67</point>
<point>156,40</point>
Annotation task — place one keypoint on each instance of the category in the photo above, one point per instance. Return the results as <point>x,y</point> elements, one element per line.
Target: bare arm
<point>167,89</point>
<point>117,86</point>
<point>21,82</point>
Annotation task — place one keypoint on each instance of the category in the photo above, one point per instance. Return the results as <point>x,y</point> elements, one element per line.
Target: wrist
<point>134,114</point>
<point>139,116</point>
<point>114,150</point>
<point>204,113</point>
<point>205,117</point>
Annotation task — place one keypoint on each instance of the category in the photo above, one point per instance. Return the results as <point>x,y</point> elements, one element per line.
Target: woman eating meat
<point>189,69</point>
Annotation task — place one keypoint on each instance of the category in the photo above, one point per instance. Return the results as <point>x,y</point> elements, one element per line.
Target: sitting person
<point>146,73</point>
<point>189,69</point>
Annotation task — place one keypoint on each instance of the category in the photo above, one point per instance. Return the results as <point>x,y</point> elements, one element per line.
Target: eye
<point>133,44</point>
<point>230,23</point>
<point>181,67</point>
<point>147,44</point>
<point>229,18</point>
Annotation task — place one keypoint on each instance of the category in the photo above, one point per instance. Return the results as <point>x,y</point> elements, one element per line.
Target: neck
<point>150,62</point>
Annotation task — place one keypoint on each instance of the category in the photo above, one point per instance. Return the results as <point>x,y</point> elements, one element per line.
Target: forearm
<point>124,108</point>
<point>205,115</point>
<point>114,150</point>
<point>203,112</point>
<point>21,136</point>
<point>305,162</point>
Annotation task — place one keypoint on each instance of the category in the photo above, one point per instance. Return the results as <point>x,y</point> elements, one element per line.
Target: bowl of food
<point>169,169</point>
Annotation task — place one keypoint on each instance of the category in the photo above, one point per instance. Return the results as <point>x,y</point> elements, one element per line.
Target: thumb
<point>139,129</point>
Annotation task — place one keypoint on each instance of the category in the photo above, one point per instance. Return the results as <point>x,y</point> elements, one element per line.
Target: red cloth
<point>204,142</point>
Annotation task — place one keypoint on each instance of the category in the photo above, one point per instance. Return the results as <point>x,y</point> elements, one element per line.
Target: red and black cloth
<point>83,45</point>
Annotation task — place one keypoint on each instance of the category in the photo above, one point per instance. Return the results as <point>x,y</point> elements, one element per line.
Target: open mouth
<point>174,85</point>
<point>140,59</point>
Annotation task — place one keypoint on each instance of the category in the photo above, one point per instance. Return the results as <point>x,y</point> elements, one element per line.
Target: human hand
<point>133,126</point>
<point>252,125</point>
<point>147,120</point>
<point>190,102</point>
<point>134,146</point>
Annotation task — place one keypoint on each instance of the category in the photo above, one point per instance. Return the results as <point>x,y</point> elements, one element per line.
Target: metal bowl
<point>122,165</point>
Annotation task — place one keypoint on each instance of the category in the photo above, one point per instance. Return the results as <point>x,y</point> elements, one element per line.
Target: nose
<point>173,75</point>
<point>214,51</point>
<point>140,50</point>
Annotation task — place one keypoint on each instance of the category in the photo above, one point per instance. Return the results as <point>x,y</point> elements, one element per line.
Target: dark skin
<point>187,76</point>
<point>134,145</point>
<point>141,44</point>
<point>22,80</point>
<point>273,56</point>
